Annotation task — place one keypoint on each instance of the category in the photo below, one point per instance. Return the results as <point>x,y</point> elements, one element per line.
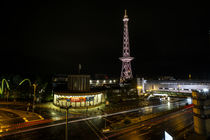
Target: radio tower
<point>126,72</point>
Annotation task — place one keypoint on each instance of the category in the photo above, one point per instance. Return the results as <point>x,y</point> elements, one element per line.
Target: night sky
<point>54,37</point>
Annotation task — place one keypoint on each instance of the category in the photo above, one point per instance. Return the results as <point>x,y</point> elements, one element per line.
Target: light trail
<point>151,122</point>
<point>113,114</point>
<point>94,130</point>
<point>72,121</point>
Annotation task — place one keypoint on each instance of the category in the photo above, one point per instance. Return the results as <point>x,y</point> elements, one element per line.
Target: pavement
<point>11,117</point>
<point>27,116</point>
<point>96,110</point>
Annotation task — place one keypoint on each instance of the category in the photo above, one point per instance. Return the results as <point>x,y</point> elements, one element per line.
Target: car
<point>105,130</point>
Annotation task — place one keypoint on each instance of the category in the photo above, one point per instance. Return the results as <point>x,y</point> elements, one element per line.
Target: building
<point>183,86</point>
<point>201,112</point>
<point>78,93</point>
<point>106,83</point>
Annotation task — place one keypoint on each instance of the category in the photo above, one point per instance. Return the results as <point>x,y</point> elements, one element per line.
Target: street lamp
<point>34,85</point>
<point>139,89</point>
<point>67,108</point>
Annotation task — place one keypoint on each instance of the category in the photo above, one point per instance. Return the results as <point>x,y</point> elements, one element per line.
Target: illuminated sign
<point>168,137</point>
<point>76,99</point>
<point>82,99</point>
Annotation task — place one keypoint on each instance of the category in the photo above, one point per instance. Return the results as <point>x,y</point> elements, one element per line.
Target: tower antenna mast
<point>126,72</point>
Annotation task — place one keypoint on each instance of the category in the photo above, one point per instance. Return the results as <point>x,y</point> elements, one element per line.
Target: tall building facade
<point>126,72</point>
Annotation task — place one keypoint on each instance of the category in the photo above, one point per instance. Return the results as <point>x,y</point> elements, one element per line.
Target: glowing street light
<point>139,87</point>
<point>205,90</point>
<point>67,108</point>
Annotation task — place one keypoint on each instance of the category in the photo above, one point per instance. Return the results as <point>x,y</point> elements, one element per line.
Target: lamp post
<point>139,88</point>
<point>67,108</point>
<point>34,85</point>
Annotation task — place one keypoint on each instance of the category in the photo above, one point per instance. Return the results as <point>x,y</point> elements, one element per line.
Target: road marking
<point>151,122</point>
<point>93,130</point>
<point>97,129</point>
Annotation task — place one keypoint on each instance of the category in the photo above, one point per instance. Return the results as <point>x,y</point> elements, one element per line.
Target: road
<point>91,128</point>
<point>174,124</point>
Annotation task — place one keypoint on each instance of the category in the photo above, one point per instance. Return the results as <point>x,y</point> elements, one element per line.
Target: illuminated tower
<point>126,72</point>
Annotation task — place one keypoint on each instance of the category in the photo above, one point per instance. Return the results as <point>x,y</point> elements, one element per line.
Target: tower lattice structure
<point>126,72</point>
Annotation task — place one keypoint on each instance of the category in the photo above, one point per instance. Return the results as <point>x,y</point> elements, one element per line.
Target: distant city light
<point>169,99</point>
<point>114,81</point>
<point>205,90</point>
<point>104,81</point>
<point>139,87</point>
<point>110,81</point>
<point>97,81</point>
<point>91,81</point>
<point>189,100</point>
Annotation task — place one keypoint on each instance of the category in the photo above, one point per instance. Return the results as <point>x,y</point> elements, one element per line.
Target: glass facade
<point>78,100</point>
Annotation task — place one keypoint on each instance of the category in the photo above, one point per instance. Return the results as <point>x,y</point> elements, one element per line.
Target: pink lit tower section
<point>126,72</point>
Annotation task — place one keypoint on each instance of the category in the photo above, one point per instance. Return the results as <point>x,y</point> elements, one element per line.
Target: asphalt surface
<point>174,124</point>
<point>91,129</point>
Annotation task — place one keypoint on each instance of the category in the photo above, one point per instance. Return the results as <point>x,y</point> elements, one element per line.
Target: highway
<point>173,123</point>
<point>90,128</point>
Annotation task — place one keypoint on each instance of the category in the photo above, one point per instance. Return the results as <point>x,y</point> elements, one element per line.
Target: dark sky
<point>56,36</point>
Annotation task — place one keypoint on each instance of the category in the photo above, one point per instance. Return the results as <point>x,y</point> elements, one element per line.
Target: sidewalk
<point>27,117</point>
<point>14,103</point>
<point>96,110</point>
<point>12,119</point>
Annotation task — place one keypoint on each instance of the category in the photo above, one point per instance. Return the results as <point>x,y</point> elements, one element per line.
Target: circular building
<point>78,93</point>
